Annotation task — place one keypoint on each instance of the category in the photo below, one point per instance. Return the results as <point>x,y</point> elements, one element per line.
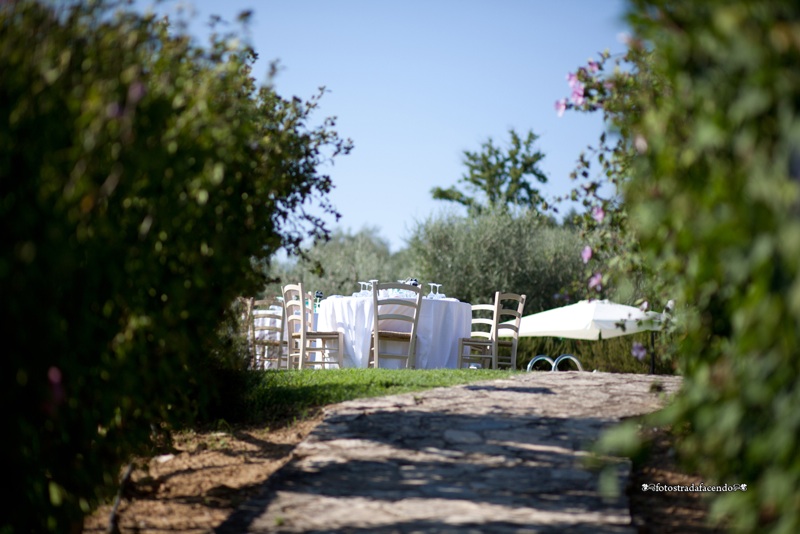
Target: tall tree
<point>497,177</point>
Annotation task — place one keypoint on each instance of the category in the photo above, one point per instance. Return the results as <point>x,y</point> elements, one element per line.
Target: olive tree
<point>336,265</point>
<point>473,257</point>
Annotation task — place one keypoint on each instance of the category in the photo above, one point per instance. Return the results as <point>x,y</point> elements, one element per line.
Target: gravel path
<point>498,456</point>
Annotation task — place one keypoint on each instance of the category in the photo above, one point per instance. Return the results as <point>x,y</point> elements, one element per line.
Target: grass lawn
<point>282,396</point>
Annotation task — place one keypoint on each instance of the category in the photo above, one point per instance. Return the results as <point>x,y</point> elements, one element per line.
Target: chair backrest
<point>299,311</point>
<point>508,314</point>
<point>266,319</point>
<point>390,304</point>
<point>483,322</point>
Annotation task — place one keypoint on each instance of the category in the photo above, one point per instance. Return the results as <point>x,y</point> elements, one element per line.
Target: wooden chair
<point>479,342</point>
<point>492,326</point>
<point>387,309</point>
<point>308,347</point>
<point>269,345</point>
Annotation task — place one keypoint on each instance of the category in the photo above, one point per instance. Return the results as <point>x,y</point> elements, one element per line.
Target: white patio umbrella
<point>589,319</point>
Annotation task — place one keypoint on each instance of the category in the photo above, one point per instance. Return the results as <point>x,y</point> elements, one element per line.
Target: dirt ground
<point>202,481</point>
<point>208,475</point>
<point>666,513</point>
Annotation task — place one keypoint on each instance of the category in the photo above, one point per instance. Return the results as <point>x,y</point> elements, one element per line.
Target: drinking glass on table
<point>360,293</point>
<point>431,295</point>
<point>437,295</point>
<point>365,290</point>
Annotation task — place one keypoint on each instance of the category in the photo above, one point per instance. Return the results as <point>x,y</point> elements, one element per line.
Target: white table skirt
<point>441,324</point>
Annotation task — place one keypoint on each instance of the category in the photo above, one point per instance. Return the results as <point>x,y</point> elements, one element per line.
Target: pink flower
<point>638,351</point>
<point>136,91</point>
<point>113,110</point>
<point>586,254</point>
<point>561,106</point>
<point>598,214</point>
<point>595,282</point>
<point>593,65</point>
<point>577,94</point>
<point>57,392</point>
<point>643,306</point>
<point>54,375</point>
<point>572,80</point>
<point>640,143</point>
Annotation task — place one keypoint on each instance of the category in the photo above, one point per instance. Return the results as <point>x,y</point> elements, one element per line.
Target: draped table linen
<point>442,322</point>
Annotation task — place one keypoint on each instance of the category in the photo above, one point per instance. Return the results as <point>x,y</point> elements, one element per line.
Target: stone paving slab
<point>498,456</point>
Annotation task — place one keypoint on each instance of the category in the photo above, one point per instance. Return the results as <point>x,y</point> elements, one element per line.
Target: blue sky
<point>415,83</point>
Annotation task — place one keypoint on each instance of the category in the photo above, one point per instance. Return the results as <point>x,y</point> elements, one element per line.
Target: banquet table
<point>442,322</point>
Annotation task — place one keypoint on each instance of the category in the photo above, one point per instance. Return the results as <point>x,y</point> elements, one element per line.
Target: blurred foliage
<point>497,178</point>
<point>711,187</point>
<point>499,250</point>
<point>139,174</point>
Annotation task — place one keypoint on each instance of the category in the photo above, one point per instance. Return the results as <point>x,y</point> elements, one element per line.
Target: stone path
<point>497,456</point>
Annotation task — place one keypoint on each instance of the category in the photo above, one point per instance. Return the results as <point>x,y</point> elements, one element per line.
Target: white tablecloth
<point>441,324</point>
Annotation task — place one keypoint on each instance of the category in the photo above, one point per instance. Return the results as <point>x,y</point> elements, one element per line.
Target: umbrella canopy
<point>589,319</point>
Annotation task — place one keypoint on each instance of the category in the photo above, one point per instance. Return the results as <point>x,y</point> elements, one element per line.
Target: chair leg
<point>299,355</point>
<point>340,350</point>
<point>338,354</point>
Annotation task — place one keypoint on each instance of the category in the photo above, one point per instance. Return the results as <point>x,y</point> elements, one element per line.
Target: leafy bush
<point>139,174</point>
<point>497,251</point>
<point>714,196</point>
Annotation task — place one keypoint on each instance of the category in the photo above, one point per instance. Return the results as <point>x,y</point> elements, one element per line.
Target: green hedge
<point>714,196</point>
<point>140,175</point>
